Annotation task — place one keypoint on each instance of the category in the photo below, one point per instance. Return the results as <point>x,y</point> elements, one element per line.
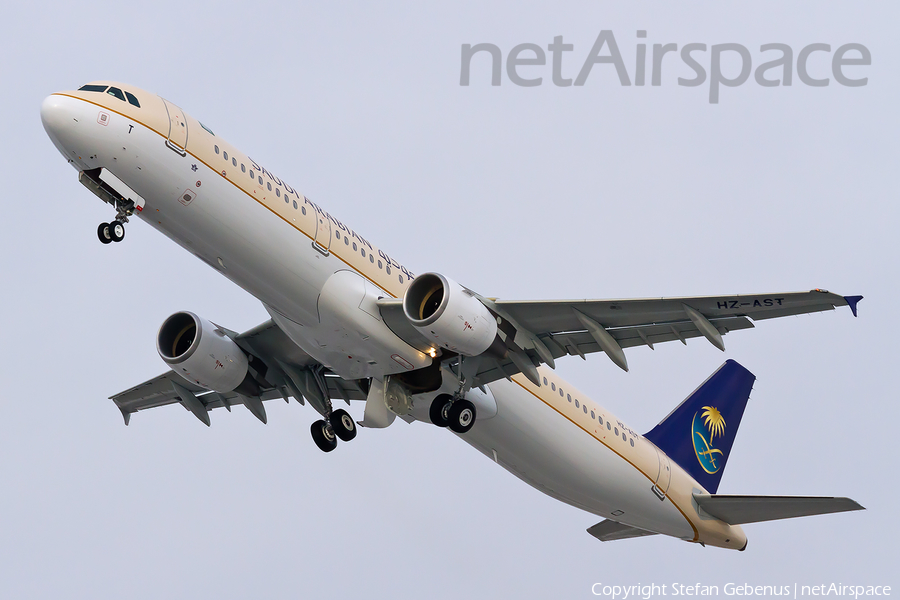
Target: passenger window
<point>387,268</point>
<point>225,155</point>
<point>400,277</point>
<point>295,204</point>
<point>278,192</point>
<point>545,381</point>
<point>234,161</point>
<point>217,149</point>
<point>379,264</point>
<point>346,241</point>
<point>354,246</point>
<point>560,393</point>
<point>624,439</point>
<point>92,88</point>
<point>599,418</point>
<point>371,258</point>
<point>553,386</point>
<point>617,431</point>
<point>607,425</point>
<point>134,101</point>
<point>569,397</point>
<point>593,416</point>
<point>577,405</point>
<point>260,180</point>
<point>363,250</point>
<point>632,443</point>
<point>584,408</point>
<point>302,208</point>
<point>337,234</point>
<point>244,169</point>
<point>269,185</point>
<point>114,91</point>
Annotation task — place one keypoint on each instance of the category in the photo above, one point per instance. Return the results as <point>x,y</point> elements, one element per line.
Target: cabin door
<point>663,476</point>
<point>178,129</point>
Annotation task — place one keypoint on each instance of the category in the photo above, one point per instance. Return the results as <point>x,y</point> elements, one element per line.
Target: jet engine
<point>201,353</point>
<point>444,311</point>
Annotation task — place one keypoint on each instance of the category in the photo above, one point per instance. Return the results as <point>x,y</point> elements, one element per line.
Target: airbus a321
<point>351,323</point>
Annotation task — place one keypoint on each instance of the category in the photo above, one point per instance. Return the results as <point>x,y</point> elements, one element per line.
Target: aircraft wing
<point>538,332</point>
<point>280,367</point>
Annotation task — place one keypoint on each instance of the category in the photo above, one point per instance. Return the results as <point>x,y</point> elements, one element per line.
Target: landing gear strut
<point>456,413</point>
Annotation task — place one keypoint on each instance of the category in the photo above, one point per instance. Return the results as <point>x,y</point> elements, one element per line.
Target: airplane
<point>349,322</point>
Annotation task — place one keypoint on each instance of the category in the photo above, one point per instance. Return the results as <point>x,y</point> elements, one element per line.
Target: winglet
<point>852,301</point>
<point>125,415</point>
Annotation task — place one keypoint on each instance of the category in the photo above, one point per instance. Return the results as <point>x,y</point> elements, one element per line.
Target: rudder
<point>699,433</point>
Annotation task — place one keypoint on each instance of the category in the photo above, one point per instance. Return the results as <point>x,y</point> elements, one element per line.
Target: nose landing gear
<point>111,232</point>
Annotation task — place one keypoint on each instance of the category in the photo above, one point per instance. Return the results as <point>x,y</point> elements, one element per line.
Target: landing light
<point>432,352</point>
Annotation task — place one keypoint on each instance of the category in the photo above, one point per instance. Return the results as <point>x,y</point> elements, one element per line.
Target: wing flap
<point>608,531</point>
<point>738,510</point>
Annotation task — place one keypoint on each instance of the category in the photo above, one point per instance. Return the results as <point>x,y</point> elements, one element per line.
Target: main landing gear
<point>111,232</point>
<point>456,413</point>
<point>338,425</point>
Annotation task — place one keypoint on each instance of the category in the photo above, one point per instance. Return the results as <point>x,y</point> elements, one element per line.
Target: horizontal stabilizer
<point>607,531</point>
<point>737,510</point>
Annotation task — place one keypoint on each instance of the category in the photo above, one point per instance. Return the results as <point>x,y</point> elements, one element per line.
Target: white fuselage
<point>319,280</point>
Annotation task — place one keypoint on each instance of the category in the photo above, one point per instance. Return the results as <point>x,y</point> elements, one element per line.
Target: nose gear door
<point>178,129</point>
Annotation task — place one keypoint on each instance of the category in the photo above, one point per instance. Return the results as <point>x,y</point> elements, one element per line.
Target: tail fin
<point>698,435</point>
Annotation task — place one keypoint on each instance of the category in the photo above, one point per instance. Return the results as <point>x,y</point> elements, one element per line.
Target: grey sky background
<point>598,191</point>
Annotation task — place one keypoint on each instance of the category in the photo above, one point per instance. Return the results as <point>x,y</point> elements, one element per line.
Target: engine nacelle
<point>444,311</point>
<point>203,355</point>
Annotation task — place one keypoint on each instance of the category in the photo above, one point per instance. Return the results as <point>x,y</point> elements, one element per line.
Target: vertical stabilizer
<point>698,435</point>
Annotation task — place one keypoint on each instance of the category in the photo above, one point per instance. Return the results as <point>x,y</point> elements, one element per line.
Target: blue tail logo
<point>708,424</point>
<point>699,433</point>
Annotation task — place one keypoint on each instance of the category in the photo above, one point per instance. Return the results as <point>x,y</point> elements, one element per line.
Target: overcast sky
<point>593,191</point>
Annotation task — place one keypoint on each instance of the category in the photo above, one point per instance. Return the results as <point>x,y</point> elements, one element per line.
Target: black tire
<point>116,231</point>
<point>103,233</point>
<point>343,425</point>
<point>320,435</point>
<point>440,406</point>
<point>461,416</point>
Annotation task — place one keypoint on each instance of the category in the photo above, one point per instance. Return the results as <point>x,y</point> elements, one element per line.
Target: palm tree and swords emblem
<point>708,422</point>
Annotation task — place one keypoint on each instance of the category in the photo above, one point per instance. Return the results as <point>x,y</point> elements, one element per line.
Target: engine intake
<point>444,311</point>
<point>202,354</point>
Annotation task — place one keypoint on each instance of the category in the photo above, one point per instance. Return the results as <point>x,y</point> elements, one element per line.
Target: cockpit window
<point>114,91</point>
<point>92,88</point>
<point>207,129</point>
<point>132,100</point>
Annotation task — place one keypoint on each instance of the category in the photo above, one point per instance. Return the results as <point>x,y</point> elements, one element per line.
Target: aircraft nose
<point>54,116</point>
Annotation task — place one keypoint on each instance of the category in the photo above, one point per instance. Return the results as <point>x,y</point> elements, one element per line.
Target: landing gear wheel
<point>440,407</point>
<point>103,233</point>
<point>116,231</point>
<point>343,425</point>
<point>461,416</point>
<point>323,436</point>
